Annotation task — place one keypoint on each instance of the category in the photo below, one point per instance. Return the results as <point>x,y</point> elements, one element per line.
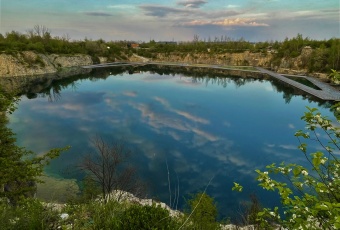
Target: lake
<point>205,127</point>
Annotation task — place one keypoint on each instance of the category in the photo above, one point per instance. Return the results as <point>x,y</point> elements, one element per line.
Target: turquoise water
<point>204,128</point>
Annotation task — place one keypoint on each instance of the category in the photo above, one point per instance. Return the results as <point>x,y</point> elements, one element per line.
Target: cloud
<point>192,3</point>
<point>331,11</point>
<point>188,82</point>
<point>187,115</point>
<point>175,14</point>
<point>205,135</point>
<point>72,107</point>
<point>303,14</point>
<point>98,14</point>
<point>227,22</point>
<point>130,93</point>
<point>232,6</point>
<point>159,120</point>
<point>163,101</point>
<point>278,153</point>
<point>154,77</point>
<point>237,160</point>
<point>121,7</point>
<point>192,117</point>
<point>288,147</point>
<point>162,11</point>
<point>291,126</point>
<point>175,136</point>
<point>270,145</point>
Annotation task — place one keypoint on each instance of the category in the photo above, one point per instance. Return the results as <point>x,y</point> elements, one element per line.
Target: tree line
<point>39,39</point>
<point>325,54</point>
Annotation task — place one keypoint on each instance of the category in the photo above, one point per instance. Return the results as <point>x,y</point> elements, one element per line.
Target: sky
<point>179,20</point>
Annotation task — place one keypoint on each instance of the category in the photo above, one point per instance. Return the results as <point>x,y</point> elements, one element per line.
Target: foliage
<point>39,39</point>
<point>94,215</point>
<point>29,214</point>
<point>20,168</point>
<point>325,54</point>
<point>90,189</point>
<point>147,217</point>
<point>7,103</point>
<point>249,211</point>
<point>335,76</point>
<point>119,215</point>
<point>310,198</point>
<point>202,212</point>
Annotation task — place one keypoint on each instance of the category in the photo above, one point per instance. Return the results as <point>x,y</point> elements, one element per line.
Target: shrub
<point>202,212</point>
<point>335,77</point>
<point>29,214</point>
<point>147,217</point>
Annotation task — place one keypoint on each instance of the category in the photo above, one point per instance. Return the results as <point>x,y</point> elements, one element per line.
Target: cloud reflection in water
<point>202,131</point>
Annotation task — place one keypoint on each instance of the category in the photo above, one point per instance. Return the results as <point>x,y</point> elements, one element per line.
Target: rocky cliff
<point>296,66</point>
<point>30,72</point>
<point>28,63</point>
<point>238,59</point>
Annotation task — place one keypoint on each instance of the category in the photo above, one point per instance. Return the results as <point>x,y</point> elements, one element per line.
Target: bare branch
<point>107,166</point>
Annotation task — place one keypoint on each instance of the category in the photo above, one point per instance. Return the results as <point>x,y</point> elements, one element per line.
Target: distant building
<point>133,45</point>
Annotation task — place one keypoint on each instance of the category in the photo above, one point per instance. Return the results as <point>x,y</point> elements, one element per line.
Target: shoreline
<point>26,83</point>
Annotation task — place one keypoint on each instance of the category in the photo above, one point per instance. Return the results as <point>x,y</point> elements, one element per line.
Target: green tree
<point>20,168</point>
<point>334,54</point>
<point>202,212</point>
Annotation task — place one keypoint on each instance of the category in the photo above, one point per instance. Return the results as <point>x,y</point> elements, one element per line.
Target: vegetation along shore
<point>111,195</point>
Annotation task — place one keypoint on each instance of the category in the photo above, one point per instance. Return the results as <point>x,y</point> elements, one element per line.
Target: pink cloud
<point>227,22</point>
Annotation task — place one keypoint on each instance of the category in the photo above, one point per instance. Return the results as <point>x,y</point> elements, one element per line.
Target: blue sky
<point>180,20</point>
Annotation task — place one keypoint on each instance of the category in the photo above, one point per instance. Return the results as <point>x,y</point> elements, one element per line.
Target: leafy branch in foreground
<point>335,76</point>
<point>310,197</point>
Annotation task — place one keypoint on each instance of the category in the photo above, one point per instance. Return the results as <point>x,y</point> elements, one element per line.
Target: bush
<point>202,212</point>
<point>29,214</point>
<point>119,215</point>
<point>93,215</point>
<point>147,217</point>
<point>335,77</point>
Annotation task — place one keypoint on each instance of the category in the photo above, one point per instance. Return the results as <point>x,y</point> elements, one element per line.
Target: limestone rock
<point>29,63</point>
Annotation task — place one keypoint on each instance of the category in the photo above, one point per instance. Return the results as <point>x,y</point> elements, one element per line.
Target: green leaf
<point>322,207</point>
<point>237,187</point>
<point>296,171</point>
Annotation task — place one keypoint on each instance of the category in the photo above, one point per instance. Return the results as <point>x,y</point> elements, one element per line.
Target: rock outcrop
<point>29,63</point>
<point>294,66</point>
<point>298,65</point>
<point>28,71</point>
<point>238,59</point>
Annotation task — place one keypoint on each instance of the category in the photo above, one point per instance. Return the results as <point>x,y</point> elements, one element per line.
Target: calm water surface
<point>203,129</point>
